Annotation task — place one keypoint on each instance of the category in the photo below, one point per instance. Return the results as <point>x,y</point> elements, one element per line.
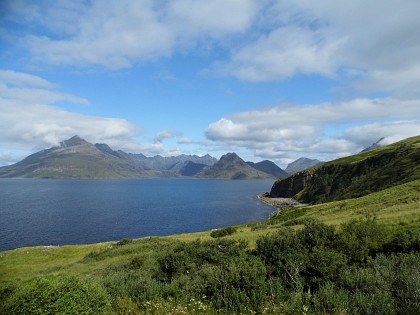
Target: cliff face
<point>354,176</point>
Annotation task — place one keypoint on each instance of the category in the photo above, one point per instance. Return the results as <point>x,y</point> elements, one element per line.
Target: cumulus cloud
<point>32,89</point>
<point>285,132</point>
<point>379,42</point>
<point>283,53</point>
<point>30,121</point>
<point>267,40</point>
<point>118,34</point>
<point>39,126</point>
<point>166,134</point>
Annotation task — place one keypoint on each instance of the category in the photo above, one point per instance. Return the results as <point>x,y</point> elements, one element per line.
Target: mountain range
<point>77,158</point>
<point>231,166</point>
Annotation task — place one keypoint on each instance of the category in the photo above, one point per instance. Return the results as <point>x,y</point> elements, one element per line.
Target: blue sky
<point>267,79</point>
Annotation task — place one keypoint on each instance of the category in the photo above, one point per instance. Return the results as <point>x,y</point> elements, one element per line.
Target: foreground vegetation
<point>358,256</point>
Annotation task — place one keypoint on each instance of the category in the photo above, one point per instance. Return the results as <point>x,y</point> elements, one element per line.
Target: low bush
<point>223,232</point>
<point>60,295</point>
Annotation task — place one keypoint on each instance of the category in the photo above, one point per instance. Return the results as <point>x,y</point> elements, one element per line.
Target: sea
<point>43,212</point>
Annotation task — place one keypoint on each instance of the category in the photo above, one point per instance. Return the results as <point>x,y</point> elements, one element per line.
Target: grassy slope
<point>356,175</point>
<point>398,206</point>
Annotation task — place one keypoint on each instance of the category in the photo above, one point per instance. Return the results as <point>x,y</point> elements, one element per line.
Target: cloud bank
<point>325,131</point>
<point>374,45</point>
<point>31,121</point>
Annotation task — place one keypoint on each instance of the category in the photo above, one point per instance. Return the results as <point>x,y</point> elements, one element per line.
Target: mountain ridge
<point>78,158</point>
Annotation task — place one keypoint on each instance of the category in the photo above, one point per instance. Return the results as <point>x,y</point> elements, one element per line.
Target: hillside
<point>231,166</point>
<point>354,176</point>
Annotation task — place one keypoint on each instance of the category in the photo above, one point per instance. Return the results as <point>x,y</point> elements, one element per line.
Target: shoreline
<point>280,204</point>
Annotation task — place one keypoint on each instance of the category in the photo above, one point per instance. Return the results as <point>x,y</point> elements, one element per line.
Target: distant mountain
<point>76,158</point>
<point>269,167</point>
<point>187,168</point>
<point>231,166</point>
<point>373,146</point>
<point>174,163</point>
<point>301,164</point>
<point>354,176</point>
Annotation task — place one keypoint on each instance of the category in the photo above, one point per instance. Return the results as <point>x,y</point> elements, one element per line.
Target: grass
<point>398,207</point>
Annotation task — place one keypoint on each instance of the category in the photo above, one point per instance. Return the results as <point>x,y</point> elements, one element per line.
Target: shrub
<point>186,258</point>
<point>131,284</point>
<point>404,241</point>
<point>316,234</point>
<point>361,238</point>
<point>331,300</point>
<point>406,284</point>
<point>240,286</point>
<point>60,295</point>
<point>123,242</point>
<point>285,257</point>
<point>223,232</point>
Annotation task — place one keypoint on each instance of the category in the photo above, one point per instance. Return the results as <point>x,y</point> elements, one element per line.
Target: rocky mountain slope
<point>354,176</point>
<point>269,167</point>
<point>231,166</point>
<point>301,164</point>
<point>76,158</point>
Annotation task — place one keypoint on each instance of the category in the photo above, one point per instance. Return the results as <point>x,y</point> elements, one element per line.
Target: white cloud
<point>185,141</point>
<point>283,53</point>
<point>22,79</point>
<point>267,40</point>
<point>390,131</point>
<point>293,131</point>
<point>118,34</point>
<point>30,122</point>
<point>166,134</point>
<point>380,41</point>
<point>32,89</point>
<point>37,126</point>
<point>8,157</point>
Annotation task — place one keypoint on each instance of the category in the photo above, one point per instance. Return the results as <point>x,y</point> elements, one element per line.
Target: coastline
<point>280,204</point>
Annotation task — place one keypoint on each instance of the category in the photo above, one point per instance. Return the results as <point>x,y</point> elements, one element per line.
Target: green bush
<point>406,284</point>
<point>404,241</point>
<point>361,238</point>
<point>60,295</point>
<point>330,299</point>
<point>223,232</point>
<point>186,258</point>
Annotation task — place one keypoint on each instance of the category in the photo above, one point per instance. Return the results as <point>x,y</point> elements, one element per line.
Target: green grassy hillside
<point>320,259</point>
<point>354,176</point>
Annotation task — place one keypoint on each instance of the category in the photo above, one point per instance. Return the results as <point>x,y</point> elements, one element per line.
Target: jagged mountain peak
<point>301,164</point>
<point>231,157</point>
<point>73,141</point>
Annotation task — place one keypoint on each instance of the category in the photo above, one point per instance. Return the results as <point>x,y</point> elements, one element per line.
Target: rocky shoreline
<point>280,203</point>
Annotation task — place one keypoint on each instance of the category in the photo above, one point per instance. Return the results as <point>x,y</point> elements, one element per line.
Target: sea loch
<point>62,212</point>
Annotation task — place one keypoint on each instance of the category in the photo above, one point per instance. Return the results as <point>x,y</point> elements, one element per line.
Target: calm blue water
<point>60,212</point>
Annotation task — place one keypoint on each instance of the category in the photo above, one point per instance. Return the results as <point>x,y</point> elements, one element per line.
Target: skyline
<point>273,80</point>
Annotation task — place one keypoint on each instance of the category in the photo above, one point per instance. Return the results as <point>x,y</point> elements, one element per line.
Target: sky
<point>267,79</point>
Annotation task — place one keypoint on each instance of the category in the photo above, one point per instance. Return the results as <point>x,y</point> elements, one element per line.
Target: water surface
<point>60,212</point>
